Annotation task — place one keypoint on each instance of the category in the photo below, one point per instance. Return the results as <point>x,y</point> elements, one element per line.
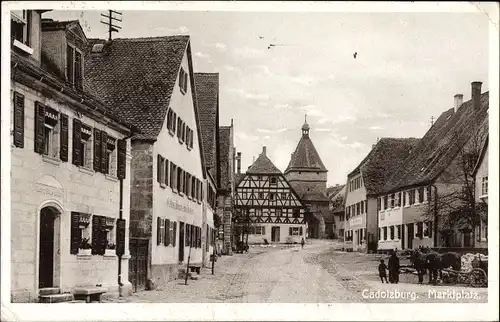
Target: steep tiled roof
<point>263,165</point>
<point>136,77</point>
<point>225,145</point>
<point>387,156</point>
<point>207,94</point>
<point>305,157</point>
<point>484,148</point>
<point>332,191</point>
<point>54,79</point>
<point>438,147</point>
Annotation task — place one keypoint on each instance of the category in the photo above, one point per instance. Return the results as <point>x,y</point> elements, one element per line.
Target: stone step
<point>56,298</point>
<point>49,291</point>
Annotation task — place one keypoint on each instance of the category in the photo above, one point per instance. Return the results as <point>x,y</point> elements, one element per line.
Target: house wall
<point>387,218</point>
<point>171,204</point>
<point>482,171</point>
<point>357,222</point>
<point>307,181</point>
<point>35,35</point>
<point>285,236</point>
<point>208,219</point>
<point>38,181</point>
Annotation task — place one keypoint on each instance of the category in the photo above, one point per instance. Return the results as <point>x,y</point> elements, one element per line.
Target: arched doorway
<point>48,250</point>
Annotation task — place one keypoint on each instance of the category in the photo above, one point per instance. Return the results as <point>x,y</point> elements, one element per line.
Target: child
<point>382,271</point>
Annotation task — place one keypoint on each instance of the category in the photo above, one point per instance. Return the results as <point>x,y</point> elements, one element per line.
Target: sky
<point>407,69</point>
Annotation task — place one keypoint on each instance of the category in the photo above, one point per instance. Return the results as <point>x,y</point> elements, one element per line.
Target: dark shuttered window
<point>75,233</point>
<point>158,230</point>
<point>77,138</point>
<point>97,150</point>
<point>63,151</point>
<point>104,153</point>
<point>174,233</point>
<point>122,154</point>
<point>120,236</point>
<point>18,120</point>
<point>167,232</point>
<point>39,127</point>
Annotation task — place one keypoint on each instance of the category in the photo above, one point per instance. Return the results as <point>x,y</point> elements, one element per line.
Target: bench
<point>89,294</point>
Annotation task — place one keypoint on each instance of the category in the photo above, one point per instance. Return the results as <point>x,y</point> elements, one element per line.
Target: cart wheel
<point>478,278</point>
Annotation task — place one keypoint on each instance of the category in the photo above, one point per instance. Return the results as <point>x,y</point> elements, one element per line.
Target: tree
<point>456,205</point>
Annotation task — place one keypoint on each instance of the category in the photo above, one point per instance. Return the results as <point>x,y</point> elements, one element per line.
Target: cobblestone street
<point>317,273</point>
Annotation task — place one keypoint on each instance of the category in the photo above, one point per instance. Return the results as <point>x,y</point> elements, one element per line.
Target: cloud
<point>249,96</point>
<point>246,137</point>
<point>263,69</point>
<point>271,131</point>
<point>322,129</point>
<point>220,46</point>
<point>202,55</point>
<point>375,128</point>
<point>303,80</point>
<point>248,52</point>
<point>174,31</point>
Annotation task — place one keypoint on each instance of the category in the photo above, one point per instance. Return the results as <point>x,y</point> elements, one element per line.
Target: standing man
<point>302,242</point>
<point>394,268</point>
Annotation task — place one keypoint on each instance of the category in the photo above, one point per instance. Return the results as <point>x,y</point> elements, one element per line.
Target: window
<point>194,185</point>
<point>392,232</point>
<point>258,212</point>
<point>278,212</point>
<point>180,180</point>
<point>399,232</point>
<point>411,196</point>
<point>379,203</point>
<point>19,20</point>
<point>110,232</point>
<point>160,233</point>
<point>179,129</point>
<point>385,233</point>
<point>362,206</point>
<point>183,135</point>
<point>271,196</point>
<point>261,195</point>
<point>86,147</point>
<point>428,189</point>
<point>274,181</point>
<point>398,199</point>
<point>296,213</point>
<point>284,196</point>
<point>183,78</point>
<point>421,194</point>
<point>427,229</point>
<point>420,230</point>
<point>358,208</point>
<point>295,231</point>
<point>404,198</point>
<point>173,176</point>
<point>259,230</point>
<point>484,186</point>
<point>171,119</point>
<point>111,156</point>
<point>74,66</point>
<point>161,170</point>
<point>385,202</point>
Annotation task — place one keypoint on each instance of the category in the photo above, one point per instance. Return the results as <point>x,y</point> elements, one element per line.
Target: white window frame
<point>111,157</point>
<point>258,230</point>
<point>295,231</point>
<point>23,19</point>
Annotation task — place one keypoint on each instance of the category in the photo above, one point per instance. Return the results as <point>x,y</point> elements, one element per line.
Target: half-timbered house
<point>267,207</point>
<point>70,174</point>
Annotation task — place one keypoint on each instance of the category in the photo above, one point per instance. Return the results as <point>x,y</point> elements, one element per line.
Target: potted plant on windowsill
<point>85,247</point>
<point>110,250</point>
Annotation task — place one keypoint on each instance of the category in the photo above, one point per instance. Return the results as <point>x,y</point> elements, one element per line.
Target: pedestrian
<point>381,271</point>
<point>394,268</point>
<point>302,242</point>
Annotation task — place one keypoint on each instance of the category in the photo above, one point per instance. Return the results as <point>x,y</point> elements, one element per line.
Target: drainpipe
<point>120,216</point>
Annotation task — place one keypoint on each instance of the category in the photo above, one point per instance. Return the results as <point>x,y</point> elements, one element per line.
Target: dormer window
<point>183,78</point>
<point>74,66</point>
<point>19,26</point>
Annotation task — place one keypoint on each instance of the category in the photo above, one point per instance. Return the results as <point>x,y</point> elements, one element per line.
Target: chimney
<point>264,150</point>
<point>476,95</point>
<point>459,99</point>
<point>238,163</point>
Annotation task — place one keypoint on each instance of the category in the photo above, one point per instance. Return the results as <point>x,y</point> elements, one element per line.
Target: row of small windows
<point>410,197</point>
<point>270,196</point>
<point>169,174</point>
<point>420,230</point>
<point>276,212</point>
<point>355,184</point>
<point>176,125</point>
<point>92,148</point>
<point>261,230</point>
<point>357,209</point>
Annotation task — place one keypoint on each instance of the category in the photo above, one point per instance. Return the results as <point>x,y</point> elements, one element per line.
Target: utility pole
<point>109,22</point>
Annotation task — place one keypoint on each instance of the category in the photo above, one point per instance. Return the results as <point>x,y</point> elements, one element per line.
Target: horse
<point>425,259</point>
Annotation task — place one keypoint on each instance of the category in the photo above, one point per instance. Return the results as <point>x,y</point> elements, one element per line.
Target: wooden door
<point>138,264</point>
<point>46,251</point>
<point>275,234</point>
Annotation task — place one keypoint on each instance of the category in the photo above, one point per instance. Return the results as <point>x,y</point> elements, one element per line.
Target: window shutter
<point>103,240</point>
<point>69,64</point>
<point>78,70</point>
<point>188,233</point>
<point>158,168</point>
<point>97,150</point>
<point>167,232</point>
<point>122,154</point>
<point>195,239</point>
<point>429,223</point>
<point>158,231</point>
<point>18,120</point>
<point>39,127</point>
<point>199,237</point>
<point>63,151</point>
<point>290,231</point>
<point>104,154</point>
<point>300,231</point>
<point>165,171</point>
<point>75,233</point>
<point>96,221</point>
<point>174,233</point>
<point>263,230</point>
<point>120,237</point>
<point>77,138</point>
